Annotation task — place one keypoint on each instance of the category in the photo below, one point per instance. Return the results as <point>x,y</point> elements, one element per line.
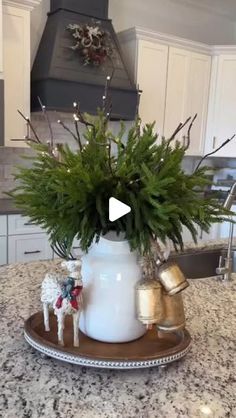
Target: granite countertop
<point>7,207</point>
<point>203,384</point>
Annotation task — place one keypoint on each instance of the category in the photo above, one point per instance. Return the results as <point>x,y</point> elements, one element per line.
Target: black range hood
<point>59,76</point>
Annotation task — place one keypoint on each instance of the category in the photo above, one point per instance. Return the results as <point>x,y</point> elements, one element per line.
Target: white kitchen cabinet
<point>176,91</point>
<point>198,99</point>
<point>187,94</point>
<point>26,241</point>
<point>222,106</point>
<point>151,78</point>
<point>3,250</point>
<point>16,67</point>
<point>3,240</point>
<point>147,62</point>
<point>3,225</point>
<point>1,54</point>
<point>23,248</point>
<point>174,77</point>
<point>18,224</point>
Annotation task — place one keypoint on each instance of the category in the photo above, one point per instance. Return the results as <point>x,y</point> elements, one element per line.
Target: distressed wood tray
<point>153,349</point>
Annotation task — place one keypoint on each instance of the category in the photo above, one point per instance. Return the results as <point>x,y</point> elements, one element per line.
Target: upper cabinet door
<point>151,79</point>
<point>197,100</point>
<point>16,67</point>
<point>177,91</point>
<point>175,82</point>
<point>187,94</point>
<point>222,111</point>
<point>1,64</point>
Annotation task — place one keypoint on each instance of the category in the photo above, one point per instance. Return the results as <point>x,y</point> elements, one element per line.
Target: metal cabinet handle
<point>214,142</point>
<point>28,223</point>
<point>32,252</point>
<point>75,248</point>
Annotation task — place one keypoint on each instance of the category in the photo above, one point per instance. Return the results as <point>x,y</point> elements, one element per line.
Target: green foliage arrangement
<point>67,192</point>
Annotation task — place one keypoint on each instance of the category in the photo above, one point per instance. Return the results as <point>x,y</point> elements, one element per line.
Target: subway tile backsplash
<point>9,158</point>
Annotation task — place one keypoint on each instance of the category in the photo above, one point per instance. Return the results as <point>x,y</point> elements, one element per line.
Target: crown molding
<point>172,40</point>
<point>138,33</point>
<point>22,4</point>
<point>223,49</point>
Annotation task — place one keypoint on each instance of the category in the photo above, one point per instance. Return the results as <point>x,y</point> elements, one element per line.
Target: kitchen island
<point>202,384</point>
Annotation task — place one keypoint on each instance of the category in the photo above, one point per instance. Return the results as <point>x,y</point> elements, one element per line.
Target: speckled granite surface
<point>203,384</point>
<point>205,245</point>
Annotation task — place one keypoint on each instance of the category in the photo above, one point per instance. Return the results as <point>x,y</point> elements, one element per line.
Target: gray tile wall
<point>9,158</point>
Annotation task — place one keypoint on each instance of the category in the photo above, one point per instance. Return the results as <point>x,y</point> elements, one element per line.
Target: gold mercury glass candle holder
<point>149,302</point>
<point>172,278</point>
<point>173,318</point>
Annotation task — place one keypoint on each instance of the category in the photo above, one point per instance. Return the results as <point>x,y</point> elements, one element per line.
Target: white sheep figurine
<point>65,296</point>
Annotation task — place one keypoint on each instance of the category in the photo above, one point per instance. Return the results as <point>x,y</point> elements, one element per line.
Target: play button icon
<point>117,209</point>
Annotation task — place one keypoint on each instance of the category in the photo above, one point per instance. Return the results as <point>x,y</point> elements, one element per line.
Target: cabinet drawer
<point>3,225</point>
<point>23,248</point>
<point>18,225</point>
<point>3,250</point>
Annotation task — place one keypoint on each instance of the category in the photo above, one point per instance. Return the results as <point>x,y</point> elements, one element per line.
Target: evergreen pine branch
<point>69,198</point>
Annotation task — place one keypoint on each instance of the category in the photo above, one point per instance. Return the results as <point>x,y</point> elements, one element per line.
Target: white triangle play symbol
<point>117,209</point>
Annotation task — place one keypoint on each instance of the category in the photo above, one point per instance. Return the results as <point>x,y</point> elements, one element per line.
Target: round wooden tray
<point>153,349</point>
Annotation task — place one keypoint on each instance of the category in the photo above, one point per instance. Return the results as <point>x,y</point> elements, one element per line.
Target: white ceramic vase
<point>110,272</point>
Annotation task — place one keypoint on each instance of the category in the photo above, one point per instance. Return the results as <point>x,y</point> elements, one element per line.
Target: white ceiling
<point>222,7</point>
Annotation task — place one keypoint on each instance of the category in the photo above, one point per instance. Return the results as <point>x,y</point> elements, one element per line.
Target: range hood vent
<point>59,76</point>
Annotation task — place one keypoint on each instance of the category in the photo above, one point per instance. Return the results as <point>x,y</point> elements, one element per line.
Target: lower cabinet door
<point>23,248</point>
<point>3,250</point>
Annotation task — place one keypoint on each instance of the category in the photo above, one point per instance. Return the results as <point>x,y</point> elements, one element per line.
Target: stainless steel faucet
<point>226,264</point>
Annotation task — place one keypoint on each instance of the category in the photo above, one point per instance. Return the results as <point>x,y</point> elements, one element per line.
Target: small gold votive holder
<point>172,278</point>
<point>149,301</point>
<point>173,313</point>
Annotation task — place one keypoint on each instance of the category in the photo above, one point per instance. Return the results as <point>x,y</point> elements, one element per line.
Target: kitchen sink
<point>201,264</point>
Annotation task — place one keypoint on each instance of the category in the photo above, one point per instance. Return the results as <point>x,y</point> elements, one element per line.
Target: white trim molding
<point>140,33</point>
<point>223,49</point>
<point>22,4</point>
